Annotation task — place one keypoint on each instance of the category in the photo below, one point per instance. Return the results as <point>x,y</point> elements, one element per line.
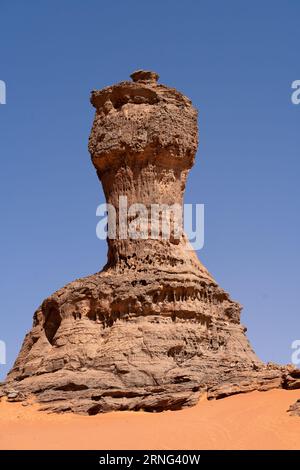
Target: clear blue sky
<point>236,60</point>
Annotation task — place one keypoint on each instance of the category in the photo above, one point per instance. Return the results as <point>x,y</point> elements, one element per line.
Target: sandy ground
<point>256,420</point>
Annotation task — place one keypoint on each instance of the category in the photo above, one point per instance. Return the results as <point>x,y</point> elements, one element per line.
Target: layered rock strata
<point>153,330</point>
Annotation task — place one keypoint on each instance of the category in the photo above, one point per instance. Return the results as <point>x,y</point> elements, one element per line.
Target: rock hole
<point>52,322</point>
<point>72,387</point>
<point>94,410</point>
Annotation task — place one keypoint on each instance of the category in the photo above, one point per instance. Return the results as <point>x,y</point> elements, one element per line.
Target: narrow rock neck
<point>145,207</point>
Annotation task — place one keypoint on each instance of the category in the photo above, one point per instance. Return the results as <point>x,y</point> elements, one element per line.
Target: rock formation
<point>294,410</point>
<point>153,330</point>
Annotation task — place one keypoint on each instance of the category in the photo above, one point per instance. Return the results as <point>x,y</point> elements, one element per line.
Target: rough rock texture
<point>292,382</point>
<point>294,410</point>
<point>153,330</point>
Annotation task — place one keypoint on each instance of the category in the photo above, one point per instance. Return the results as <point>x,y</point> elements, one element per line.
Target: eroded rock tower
<point>153,330</point>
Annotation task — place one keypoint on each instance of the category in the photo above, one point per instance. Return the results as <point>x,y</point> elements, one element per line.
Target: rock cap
<point>144,76</point>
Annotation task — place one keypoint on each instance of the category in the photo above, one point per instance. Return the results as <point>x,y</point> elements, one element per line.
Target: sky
<point>236,61</point>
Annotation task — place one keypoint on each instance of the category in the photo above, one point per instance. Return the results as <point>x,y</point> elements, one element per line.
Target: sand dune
<point>255,420</point>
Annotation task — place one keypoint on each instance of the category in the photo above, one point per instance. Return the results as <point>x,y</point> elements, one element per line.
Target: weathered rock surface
<point>294,410</point>
<point>292,382</point>
<point>153,330</point>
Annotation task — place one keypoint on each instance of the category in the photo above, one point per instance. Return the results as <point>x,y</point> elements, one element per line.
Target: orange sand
<point>256,420</point>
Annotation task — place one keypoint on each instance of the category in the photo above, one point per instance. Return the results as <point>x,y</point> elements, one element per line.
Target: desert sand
<point>256,420</point>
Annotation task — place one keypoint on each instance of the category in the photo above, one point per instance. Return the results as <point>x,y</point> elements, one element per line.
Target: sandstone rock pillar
<point>153,330</point>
